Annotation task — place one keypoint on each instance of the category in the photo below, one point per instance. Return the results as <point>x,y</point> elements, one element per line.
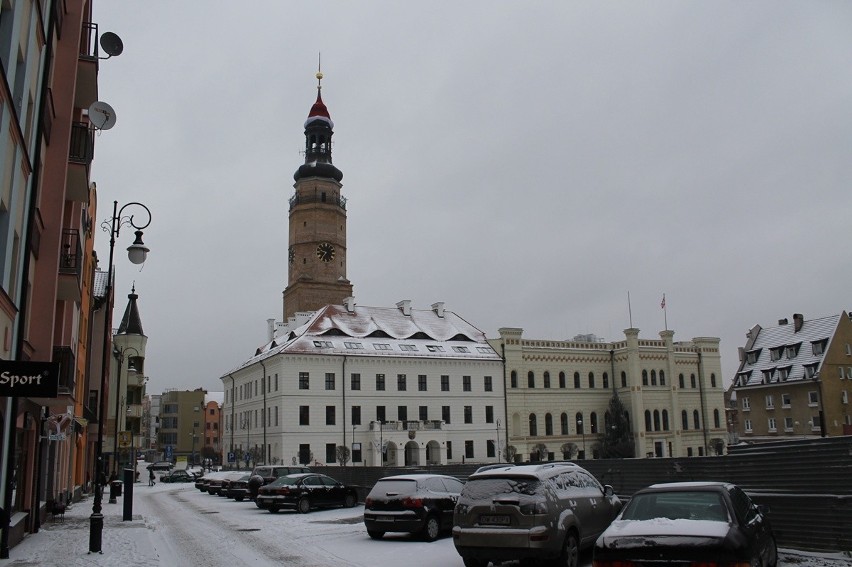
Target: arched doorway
<point>390,455</point>
<point>412,453</point>
<point>433,453</point>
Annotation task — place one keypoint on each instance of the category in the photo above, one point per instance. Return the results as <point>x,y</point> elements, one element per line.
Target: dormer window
<point>810,370</point>
<point>323,344</point>
<point>742,378</point>
<point>818,347</point>
<point>381,346</point>
<point>353,345</point>
<point>767,375</point>
<point>484,350</point>
<point>775,353</point>
<point>784,373</point>
<point>434,348</point>
<point>751,356</point>
<point>461,349</point>
<point>407,348</point>
<point>793,350</point>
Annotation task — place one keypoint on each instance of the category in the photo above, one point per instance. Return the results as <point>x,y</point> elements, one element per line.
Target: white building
<point>422,384</point>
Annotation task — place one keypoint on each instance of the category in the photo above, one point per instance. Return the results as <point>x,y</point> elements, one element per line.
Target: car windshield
<point>486,487</point>
<point>284,481</point>
<point>681,505</point>
<point>394,486</point>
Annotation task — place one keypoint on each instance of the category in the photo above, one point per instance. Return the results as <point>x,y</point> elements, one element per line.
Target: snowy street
<point>175,524</point>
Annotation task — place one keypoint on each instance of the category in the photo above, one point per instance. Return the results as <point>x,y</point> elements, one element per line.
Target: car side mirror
<point>763,509</point>
<point>608,490</point>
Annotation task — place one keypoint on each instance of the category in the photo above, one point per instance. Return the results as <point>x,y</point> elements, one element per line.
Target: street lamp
<point>119,356</point>
<point>136,252</point>
<point>194,426</point>
<point>583,433</point>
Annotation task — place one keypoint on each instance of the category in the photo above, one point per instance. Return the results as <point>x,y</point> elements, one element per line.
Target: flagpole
<point>665,313</point>
<point>629,311</point>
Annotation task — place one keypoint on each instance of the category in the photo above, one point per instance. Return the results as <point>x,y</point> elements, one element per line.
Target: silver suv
<point>544,511</point>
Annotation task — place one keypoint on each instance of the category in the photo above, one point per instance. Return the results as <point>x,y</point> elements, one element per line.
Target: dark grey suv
<point>545,511</point>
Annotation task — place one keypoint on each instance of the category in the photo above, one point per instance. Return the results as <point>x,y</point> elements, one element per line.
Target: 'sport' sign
<point>29,379</point>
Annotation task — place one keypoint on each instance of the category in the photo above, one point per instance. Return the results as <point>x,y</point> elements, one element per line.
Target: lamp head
<point>137,252</point>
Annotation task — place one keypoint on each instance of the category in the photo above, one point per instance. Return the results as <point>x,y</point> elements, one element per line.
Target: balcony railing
<point>67,369</point>
<point>302,199</point>
<point>89,41</point>
<point>406,425</point>
<point>71,256</point>
<point>82,149</point>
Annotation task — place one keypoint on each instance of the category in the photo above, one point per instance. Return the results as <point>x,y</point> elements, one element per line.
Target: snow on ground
<point>176,525</point>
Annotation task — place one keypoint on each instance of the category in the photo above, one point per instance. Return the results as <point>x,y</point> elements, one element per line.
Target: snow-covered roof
<point>381,331</point>
<point>785,354</point>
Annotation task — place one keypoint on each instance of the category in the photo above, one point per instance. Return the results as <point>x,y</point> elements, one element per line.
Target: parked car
<point>547,511</point>
<point>305,491</point>
<point>238,489</point>
<point>265,474</point>
<point>160,466</point>
<point>689,522</point>
<point>215,483</point>
<point>203,482</point>
<point>178,475</point>
<point>414,503</point>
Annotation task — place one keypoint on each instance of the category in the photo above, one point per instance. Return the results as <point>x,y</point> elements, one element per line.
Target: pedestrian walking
<point>151,477</point>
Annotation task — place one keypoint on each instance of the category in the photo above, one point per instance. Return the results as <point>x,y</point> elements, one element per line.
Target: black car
<point>264,474</point>
<point>178,475</point>
<point>238,489</point>
<point>688,522</point>
<point>304,492</point>
<point>160,466</point>
<point>414,503</point>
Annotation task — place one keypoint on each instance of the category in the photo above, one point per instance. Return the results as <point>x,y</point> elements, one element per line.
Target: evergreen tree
<point>616,441</point>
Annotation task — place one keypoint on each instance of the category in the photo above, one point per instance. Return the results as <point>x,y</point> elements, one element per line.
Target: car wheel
<point>375,534</point>
<point>304,505</point>
<point>349,501</point>
<point>570,551</point>
<point>238,498</point>
<point>473,562</point>
<point>431,529</point>
<point>772,561</point>
<point>273,509</point>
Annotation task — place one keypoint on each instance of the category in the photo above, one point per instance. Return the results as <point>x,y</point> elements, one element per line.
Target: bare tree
<point>509,453</point>
<point>343,453</point>
<point>540,450</point>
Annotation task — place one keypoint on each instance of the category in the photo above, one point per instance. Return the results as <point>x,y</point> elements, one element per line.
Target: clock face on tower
<point>325,252</point>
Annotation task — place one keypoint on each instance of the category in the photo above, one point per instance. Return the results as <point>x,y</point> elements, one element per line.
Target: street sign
<point>232,457</point>
<point>247,457</point>
<point>168,452</point>
<point>56,437</point>
<point>124,439</point>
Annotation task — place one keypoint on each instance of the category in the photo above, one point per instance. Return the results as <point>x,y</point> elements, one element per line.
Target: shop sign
<point>29,379</point>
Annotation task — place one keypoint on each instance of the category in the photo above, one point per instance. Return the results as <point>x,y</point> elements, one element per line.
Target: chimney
<point>270,329</point>
<point>438,308</point>
<point>405,306</point>
<point>782,322</point>
<point>798,320</point>
<point>349,303</point>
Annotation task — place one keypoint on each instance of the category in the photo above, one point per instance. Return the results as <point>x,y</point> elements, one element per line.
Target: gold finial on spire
<point>319,72</point>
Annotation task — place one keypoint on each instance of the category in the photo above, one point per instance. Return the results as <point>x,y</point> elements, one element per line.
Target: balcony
<point>134,411</point>
<point>70,266</point>
<point>87,67</point>
<point>80,155</point>
<point>67,369</point>
<point>407,425</point>
<point>136,380</point>
<point>303,199</point>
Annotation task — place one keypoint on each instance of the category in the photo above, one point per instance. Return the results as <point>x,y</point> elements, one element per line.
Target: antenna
<point>101,115</point>
<point>111,44</point>
<point>319,71</point>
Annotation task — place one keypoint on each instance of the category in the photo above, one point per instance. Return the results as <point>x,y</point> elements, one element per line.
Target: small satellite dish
<point>111,44</point>
<point>101,115</point>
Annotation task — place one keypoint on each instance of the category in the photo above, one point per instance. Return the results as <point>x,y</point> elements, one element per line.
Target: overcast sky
<point>527,163</point>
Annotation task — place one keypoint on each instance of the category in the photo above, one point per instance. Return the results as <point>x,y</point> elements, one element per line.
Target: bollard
<point>127,511</point>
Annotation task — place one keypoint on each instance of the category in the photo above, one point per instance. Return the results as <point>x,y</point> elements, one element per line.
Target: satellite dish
<point>101,115</point>
<point>111,44</point>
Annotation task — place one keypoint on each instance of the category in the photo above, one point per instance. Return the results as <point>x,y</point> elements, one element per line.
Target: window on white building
<point>771,423</point>
<point>746,404</point>
<point>813,398</point>
<point>747,424</point>
<point>785,400</point>
<point>770,404</point>
<point>788,424</point>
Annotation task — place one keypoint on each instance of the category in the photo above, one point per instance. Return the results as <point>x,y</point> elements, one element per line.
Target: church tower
<point>317,251</point>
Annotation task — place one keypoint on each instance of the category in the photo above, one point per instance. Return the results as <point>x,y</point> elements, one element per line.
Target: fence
<point>806,483</point>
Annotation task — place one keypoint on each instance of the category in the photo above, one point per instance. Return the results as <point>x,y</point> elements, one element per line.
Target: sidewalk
<point>66,541</point>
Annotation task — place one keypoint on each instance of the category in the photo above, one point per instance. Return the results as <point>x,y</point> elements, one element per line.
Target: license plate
<point>494,520</point>
<point>384,518</point>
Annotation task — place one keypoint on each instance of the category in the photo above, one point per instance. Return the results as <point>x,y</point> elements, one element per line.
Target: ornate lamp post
<point>583,433</point>
<point>136,252</point>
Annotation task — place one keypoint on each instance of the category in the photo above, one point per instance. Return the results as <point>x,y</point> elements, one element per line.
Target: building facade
<point>181,434</point>
<point>794,380</point>
<point>558,394</point>
<point>49,307</point>
<point>394,386</point>
<point>211,452</point>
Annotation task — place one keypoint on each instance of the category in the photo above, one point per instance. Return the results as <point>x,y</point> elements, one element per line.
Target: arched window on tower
<point>563,424</point>
<point>593,418</point>
<point>647,420</point>
<point>591,379</point>
<point>653,377</point>
<point>716,422</point>
<point>692,380</point>
<point>695,420</point>
<point>662,378</point>
<point>546,379</point>
<point>644,377</point>
<point>576,380</point>
<point>530,379</point>
<point>513,379</point>
<point>548,424</point>
<point>533,425</point>
<point>605,380</point>
<point>656,420</point>
<point>623,379</point>
<point>665,420</point>
<point>680,381</point>
<point>684,420</point>
<point>562,380</point>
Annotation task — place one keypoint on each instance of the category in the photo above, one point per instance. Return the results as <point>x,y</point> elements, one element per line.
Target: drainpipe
<point>505,403</point>
<point>703,408</point>
<point>343,409</point>
<point>265,417</point>
<point>233,402</point>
